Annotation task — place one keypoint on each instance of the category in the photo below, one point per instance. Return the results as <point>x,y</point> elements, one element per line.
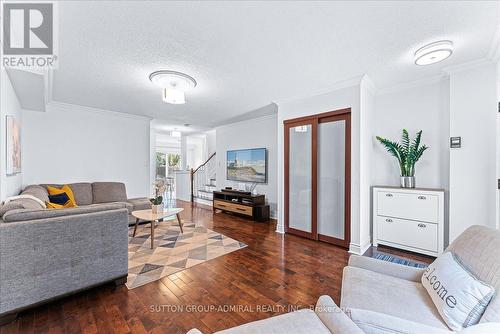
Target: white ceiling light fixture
<point>173,96</point>
<point>174,85</point>
<point>433,53</point>
<point>176,134</point>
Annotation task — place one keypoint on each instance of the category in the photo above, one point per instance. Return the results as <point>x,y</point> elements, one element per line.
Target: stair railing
<point>201,176</point>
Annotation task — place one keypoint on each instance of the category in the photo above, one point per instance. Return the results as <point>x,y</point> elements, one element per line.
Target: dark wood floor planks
<point>275,273</point>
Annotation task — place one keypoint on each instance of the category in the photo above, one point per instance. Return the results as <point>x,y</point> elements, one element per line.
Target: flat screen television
<point>248,165</point>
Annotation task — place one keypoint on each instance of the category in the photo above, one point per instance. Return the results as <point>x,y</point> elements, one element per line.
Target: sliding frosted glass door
<point>317,177</point>
<point>300,182</point>
<point>331,208</point>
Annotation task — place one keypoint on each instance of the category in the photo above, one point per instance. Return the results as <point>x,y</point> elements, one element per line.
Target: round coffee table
<point>152,218</point>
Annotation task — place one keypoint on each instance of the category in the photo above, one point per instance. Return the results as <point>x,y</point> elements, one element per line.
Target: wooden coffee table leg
<point>135,227</point>
<point>180,222</point>
<point>152,233</point>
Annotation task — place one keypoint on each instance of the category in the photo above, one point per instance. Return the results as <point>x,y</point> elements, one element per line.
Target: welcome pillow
<point>458,295</point>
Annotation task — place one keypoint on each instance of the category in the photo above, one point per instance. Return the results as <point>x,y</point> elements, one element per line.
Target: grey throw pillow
<point>10,206</point>
<point>37,191</point>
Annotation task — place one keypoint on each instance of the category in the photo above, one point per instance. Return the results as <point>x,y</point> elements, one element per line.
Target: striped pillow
<point>458,295</point>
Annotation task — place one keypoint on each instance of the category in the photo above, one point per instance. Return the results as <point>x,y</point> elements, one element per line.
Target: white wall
<point>498,156</point>
<point>473,178</point>
<point>10,185</point>
<point>72,144</point>
<point>183,185</point>
<point>417,108</point>
<point>195,151</point>
<point>211,142</point>
<point>348,97</point>
<point>152,157</point>
<point>184,161</point>
<point>255,133</point>
<point>366,146</point>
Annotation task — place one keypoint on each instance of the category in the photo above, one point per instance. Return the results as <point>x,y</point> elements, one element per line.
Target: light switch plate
<point>455,142</point>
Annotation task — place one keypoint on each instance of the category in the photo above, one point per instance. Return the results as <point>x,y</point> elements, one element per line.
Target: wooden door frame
<point>314,121</point>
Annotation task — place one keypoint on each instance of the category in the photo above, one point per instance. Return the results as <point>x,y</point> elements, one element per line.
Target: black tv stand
<point>238,192</point>
<point>243,203</point>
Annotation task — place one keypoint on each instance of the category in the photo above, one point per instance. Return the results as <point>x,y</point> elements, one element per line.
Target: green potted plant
<point>173,163</point>
<point>157,199</point>
<point>407,155</point>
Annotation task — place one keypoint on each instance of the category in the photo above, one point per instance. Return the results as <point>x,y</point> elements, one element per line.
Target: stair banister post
<point>192,185</point>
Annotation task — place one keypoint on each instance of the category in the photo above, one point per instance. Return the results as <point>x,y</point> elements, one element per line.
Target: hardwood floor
<point>275,274</point>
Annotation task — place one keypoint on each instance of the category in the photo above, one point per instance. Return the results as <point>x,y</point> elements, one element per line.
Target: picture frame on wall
<point>13,151</point>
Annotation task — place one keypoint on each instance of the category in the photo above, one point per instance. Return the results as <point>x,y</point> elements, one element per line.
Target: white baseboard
<point>280,228</point>
<point>359,249</point>
<point>203,201</point>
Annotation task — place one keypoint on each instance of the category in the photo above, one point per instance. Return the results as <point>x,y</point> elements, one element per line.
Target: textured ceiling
<point>246,55</point>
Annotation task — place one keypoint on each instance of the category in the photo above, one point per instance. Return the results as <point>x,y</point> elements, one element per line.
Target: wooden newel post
<point>192,185</point>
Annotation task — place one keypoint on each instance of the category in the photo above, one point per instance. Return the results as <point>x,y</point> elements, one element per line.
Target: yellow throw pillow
<point>54,205</point>
<point>65,189</point>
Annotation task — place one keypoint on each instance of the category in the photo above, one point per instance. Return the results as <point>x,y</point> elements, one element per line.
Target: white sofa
<point>327,318</point>
<point>384,297</point>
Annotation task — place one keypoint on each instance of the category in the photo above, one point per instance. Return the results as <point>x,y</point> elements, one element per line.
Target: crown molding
<point>336,86</point>
<point>412,84</point>
<point>77,107</point>
<point>468,65</point>
<point>436,78</point>
<point>238,123</point>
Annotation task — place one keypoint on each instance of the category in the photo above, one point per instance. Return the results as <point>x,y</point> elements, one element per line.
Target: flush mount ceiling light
<point>174,85</point>
<point>433,53</point>
<point>176,134</point>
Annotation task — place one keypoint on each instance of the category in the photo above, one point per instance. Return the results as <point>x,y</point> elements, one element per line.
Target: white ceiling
<point>246,55</point>
<point>29,87</point>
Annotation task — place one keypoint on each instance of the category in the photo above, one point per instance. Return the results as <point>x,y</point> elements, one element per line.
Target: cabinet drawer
<point>221,205</point>
<point>408,233</point>
<point>234,207</point>
<point>243,209</point>
<point>412,206</point>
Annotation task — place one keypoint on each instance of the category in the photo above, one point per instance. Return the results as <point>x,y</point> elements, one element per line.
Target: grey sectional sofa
<point>49,253</point>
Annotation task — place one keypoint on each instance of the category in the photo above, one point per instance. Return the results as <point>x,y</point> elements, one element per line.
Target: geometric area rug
<point>173,251</point>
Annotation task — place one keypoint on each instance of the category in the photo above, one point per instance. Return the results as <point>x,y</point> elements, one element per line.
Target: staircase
<point>203,181</point>
<point>207,191</point>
